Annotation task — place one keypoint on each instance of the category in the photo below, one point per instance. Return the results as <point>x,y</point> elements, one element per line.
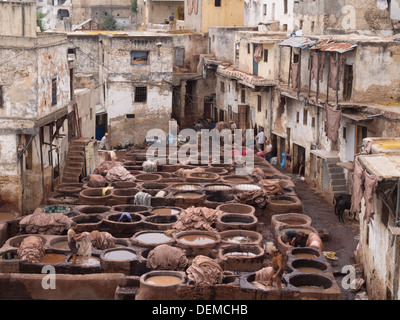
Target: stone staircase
<point>129,289</point>
<point>75,162</point>
<point>337,178</point>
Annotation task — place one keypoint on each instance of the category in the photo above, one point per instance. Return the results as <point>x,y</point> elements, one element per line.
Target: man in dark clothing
<point>294,238</point>
<point>198,126</point>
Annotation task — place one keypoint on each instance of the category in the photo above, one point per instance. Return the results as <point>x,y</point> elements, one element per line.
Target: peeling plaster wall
<point>158,11</point>
<point>265,11</point>
<point>11,21</point>
<point>341,16</point>
<point>122,78</point>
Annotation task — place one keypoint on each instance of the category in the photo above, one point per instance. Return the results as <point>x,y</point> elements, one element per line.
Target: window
<point>344,133</point>
<point>248,48</point>
<point>297,117</point>
<point>265,55</point>
<point>1,97</point>
<point>222,87</point>
<point>313,122</point>
<point>217,3</point>
<point>264,9</point>
<point>305,114</point>
<point>139,57</point>
<point>259,103</point>
<point>285,6</point>
<point>243,96</point>
<point>179,56</point>
<point>140,94</point>
<point>53,91</point>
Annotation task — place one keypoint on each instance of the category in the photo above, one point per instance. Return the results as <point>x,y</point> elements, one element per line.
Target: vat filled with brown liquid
<point>4,216</point>
<point>163,280</point>
<point>197,239</point>
<point>52,258</point>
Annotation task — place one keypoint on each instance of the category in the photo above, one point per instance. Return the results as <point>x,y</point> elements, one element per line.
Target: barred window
<point>140,94</point>
<point>1,97</point>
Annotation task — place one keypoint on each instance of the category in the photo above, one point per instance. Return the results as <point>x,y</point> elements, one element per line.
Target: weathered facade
<point>137,70</point>
<point>35,95</point>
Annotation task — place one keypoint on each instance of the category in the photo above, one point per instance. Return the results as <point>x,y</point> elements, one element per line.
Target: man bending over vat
<point>72,239</point>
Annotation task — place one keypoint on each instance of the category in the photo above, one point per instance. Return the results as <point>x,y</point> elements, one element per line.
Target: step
<point>337,176</point>
<point>332,160</point>
<point>338,182</point>
<point>339,189</point>
<point>126,293</point>
<point>69,180</point>
<point>335,170</point>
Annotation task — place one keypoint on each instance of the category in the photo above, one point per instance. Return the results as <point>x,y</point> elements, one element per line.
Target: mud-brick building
<point>35,95</point>
<point>378,248</point>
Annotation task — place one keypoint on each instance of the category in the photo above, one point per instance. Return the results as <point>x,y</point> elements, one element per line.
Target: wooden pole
<point>337,78</point>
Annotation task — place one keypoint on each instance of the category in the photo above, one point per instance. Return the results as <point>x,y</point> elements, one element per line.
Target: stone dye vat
<point>94,196</point>
<point>202,177</point>
<point>284,204</point>
<point>186,187</point>
<point>219,192</point>
<point>15,242</point>
<point>123,184</point>
<point>147,177</point>
<point>88,223</point>
<point>160,222</point>
<point>197,242</point>
<point>69,188</point>
<point>59,243</point>
<point>238,208</point>
<point>309,266</point>
<point>60,198</point>
<point>228,221</point>
<point>281,245</point>
<point>119,260</point>
<point>241,237</point>
<point>166,211</point>
<point>241,257</point>
<point>92,209</point>
<point>289,219</point>
<point>236,179</point>
<point>123,228</point>
<point>151,238</point>
<point>304,252</point>
<point>187,199</point>
<point>123,196</point>
<point>160,285</point>
<point>7,216</point>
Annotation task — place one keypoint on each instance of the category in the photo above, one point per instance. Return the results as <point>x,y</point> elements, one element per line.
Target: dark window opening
<point>139,57</point>
<point>265,55</point>
<point>217,3</point>
<point>1,97</point>
<point>140,94</point>
<point>305,116</point>
<point>259,103</point>
<point>243,96</point>
<point>130,116</point>
<point>54,91</point>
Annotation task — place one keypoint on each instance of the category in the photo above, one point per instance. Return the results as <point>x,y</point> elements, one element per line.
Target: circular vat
<point>17,240</point>
<point>11,254</point>
<point>123,184</point>
<point>202,177</point>
<point>69,188</point>
<point>243,257</point>
<point>160,222</point>
<point>53,257</point>
<point>222,192</point>
<point>308,266</point>
<point>290,219</point>
<point>228,221</point>
<point>124,196</point>
<point>160,285</point>
<point>234,179</point>
<point>95,196</point>
<point>219,171</point>
<point>166,211</point>
<point>58,208</point>
<point>154,186</point>
<point>60,243</point>
<point>238,208</point>
<point>186,187</point>
<point>146,177</point>
<point>93,209</point>
<point>241,237</point>
<point>284,204</point>
<point>88,223</point>
<point>310,282</point>
<point>305,252</point>
<point>150,238</point>
<point>247,187</point>
<point>197,241</point>
<point>131,209</point>
<point>62,198</point>
<point>119,260</point>
<point>306,229</point>
<point>123,227</point>
<point>7,216</point>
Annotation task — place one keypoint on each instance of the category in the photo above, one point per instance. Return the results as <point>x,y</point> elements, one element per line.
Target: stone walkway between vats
<point>343,237</point>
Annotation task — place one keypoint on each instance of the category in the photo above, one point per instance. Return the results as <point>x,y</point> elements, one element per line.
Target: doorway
<point>348,82</point>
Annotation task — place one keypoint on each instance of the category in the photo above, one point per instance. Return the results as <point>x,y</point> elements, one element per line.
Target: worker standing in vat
<point>277,265</point>
<point>294,238</point>
<point>72,239</point>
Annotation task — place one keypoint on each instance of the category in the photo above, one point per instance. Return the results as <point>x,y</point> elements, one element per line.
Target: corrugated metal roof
<point>340,47</point>
<point>298,42</point>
